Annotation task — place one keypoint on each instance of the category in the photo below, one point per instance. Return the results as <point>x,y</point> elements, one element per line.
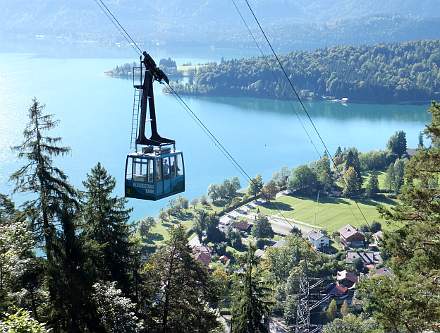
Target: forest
<point>384,73</point>
<point>70,261</point>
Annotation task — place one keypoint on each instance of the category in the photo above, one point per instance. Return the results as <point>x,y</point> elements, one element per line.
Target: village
<point>358,250</point>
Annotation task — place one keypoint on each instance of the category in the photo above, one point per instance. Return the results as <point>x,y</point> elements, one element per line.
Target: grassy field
<point>330,213</point>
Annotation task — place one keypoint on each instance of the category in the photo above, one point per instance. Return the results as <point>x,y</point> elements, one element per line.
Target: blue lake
<point>95,121</point>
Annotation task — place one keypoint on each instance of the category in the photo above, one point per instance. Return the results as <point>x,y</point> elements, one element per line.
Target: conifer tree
<point>251,299</point>
<point>351,183</point>
<point>407,301</point>
<point>41,177</point>
<point>372,187</point>
<point>105,229</point>
<point>176,291</point>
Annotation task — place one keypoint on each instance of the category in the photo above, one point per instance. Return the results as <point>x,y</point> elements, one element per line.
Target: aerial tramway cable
<point>181,101</point>
<point>293,89</point>
<point>266,59</point>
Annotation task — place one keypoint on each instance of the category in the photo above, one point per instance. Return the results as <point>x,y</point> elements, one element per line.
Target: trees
<point>372,187</point>
<point>351,183</point>
<point>323,171</point>
<point>280,177</point>
<point>395,175</point>
<point>225,191</point>
<point>404,302</point>
<point>116,313</point>
<point>53,193</point>
<point>21,321</point>
<point>270,190</point>
<point>177,289</point>
<point>255,186</point>
<point>303,180</point>
<point>397,143</point>
<point>251,299</point>
<point>352,324</point>
<point>262,228</point>
<point>105,228</point>
<point>332,311</point>
<point>352,161</point>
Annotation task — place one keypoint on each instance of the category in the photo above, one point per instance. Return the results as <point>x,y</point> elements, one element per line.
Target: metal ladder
<point>135,117</point>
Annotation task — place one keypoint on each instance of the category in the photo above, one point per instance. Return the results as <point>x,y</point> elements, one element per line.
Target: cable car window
<point>173,166</point>
<point>158,171</point>
<point>166,168</point>
<point>179,165</point>
<point>150,171</point>
<point>129,170</point>
<point>139,169</point>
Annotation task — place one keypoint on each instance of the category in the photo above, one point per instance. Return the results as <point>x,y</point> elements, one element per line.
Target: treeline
<point>402,72</point>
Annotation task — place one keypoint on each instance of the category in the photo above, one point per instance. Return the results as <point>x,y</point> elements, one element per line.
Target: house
<point>347,279</point>
<point>202,254</point>
<point>259,253</point>
<point>384,271</point>
<point>351,237</point>
<point>377,238</point>
<point>318,239</point>
<point>241,225</point>
<point>369,258</point>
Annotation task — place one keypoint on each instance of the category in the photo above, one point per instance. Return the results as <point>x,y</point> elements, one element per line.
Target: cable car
<point>155,170</point>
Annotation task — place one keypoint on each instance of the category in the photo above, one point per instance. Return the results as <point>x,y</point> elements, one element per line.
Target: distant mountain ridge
<point>213,21</point>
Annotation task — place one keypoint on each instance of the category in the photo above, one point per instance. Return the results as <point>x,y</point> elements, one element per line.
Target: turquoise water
<point>95,120</point>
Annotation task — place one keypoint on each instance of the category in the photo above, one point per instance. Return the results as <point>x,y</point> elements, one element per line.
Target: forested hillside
<point>291,24</point>
<point>404,72</point>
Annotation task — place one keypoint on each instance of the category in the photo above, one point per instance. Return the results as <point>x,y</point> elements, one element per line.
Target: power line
<point>266,58</point>
<point>200,123</point>
<point>297,96</point>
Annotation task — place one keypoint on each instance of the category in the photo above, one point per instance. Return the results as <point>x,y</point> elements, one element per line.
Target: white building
<point>318,239</point>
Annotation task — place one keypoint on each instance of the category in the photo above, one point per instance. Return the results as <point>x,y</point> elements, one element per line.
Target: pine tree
<point>251,299</point>
<point>105,229</point>
<point>255,186</point>
<point>352,161</point>
<point>406,302</point>
<point>390,177</point>
<point>176,289</point>
<point>49,183</point>
<point>262,228</point>
<point>397,143</point>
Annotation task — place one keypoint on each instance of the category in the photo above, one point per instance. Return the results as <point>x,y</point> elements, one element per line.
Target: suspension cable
<point>266,59</point>
<point>298,97</point>
<point>200,123</point>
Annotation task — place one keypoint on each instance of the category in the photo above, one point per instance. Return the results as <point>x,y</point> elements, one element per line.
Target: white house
<point>318,239</point>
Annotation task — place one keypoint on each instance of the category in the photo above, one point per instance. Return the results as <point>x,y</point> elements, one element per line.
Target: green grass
<point>330,214</point>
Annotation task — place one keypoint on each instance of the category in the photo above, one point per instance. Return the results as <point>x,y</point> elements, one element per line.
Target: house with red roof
<point>351,237</point>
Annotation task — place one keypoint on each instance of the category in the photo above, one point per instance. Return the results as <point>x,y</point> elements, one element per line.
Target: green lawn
<point>330,214</point>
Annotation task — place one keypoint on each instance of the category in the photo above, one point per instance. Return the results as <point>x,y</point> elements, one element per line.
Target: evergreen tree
<point>399,172</point>
<point>406,301</point>
<point>49,183</point>
<point>251,299</point>
<point>397,143</point>
<point>176,289</point>
<point>351,183</point>
<point>372,187</point>
<point>262,228</point>
<point>352,161</point>
<point>105,229</point>
<point>390,177</point>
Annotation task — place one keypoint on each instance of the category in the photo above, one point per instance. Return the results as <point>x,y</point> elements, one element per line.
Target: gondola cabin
<point>154,174</point>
